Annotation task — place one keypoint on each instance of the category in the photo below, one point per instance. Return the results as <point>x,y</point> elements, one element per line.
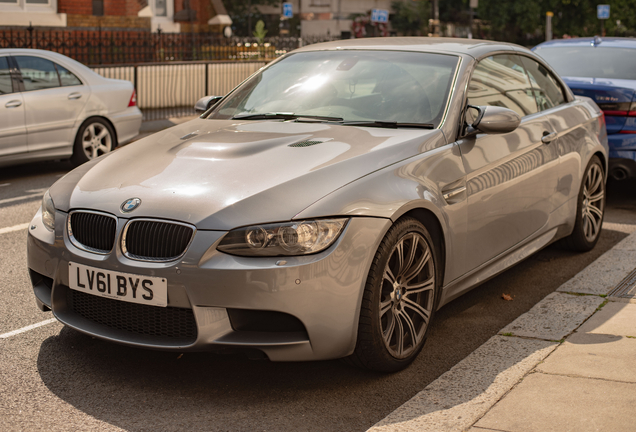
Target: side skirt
<point>495,266</point>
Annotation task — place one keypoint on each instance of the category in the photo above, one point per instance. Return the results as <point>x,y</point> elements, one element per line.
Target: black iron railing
<point>102,47</point>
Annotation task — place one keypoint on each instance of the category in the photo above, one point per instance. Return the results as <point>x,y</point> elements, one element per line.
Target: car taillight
<point>133,99</point>
<point>623,109</point>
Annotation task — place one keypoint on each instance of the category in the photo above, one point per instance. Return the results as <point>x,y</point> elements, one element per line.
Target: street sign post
<point>288,11</point>
<point>603,13</point>
<point>379,16</point>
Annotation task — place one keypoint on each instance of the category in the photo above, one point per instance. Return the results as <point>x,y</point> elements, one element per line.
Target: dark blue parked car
<point>605,70</point>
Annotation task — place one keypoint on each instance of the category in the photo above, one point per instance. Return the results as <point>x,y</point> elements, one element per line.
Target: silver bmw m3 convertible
<point>328,206</point>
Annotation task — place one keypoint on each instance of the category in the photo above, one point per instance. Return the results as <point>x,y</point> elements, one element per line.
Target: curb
<point>464,394</point>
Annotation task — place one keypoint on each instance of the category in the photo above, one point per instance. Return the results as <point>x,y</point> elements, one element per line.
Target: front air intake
<point>153,240</point>
<point>92,231</point>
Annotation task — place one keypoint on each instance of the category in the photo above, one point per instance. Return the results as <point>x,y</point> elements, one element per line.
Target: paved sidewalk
<point>568,364</point>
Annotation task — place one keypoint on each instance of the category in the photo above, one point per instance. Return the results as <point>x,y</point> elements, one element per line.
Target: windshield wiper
<point>283,116</point>
<point>389,124</point>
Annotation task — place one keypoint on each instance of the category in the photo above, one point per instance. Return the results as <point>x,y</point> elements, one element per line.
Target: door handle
<point>13,104</point>
<point>548,137</point>
<point>75,95</point>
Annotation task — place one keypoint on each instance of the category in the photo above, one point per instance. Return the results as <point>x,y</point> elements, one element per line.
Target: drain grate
<point>626,289</point>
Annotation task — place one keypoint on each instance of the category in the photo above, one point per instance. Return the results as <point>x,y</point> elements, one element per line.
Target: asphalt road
<point>53,378</point>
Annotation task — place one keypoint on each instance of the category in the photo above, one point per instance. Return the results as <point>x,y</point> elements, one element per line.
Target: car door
<point>512,177</point>
<point>52,105</point>
<point>13,138</point>
<point>567,120</point>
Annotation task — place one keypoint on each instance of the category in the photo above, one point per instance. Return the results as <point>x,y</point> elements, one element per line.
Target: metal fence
<point>102,47</point>
<point>170,71</point>
<point>171,89</point>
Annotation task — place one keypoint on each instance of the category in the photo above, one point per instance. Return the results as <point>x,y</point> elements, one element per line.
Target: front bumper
<point>321,291</point>
<point>622,156</point>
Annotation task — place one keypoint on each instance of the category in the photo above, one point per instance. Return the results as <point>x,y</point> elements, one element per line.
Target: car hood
<point>221,174</point>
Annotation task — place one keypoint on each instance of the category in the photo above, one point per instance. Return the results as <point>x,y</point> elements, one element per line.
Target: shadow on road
<point>139,390</point>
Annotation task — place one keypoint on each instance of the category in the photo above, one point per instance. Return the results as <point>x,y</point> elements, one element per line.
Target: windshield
<point>591,62</point>
<point>391,86</point>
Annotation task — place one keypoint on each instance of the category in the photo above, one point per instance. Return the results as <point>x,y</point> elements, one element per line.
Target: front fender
<point>416,183</point>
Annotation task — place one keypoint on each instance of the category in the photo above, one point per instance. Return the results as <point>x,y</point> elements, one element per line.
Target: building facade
<point>170,16</point>
<point>328,17</point>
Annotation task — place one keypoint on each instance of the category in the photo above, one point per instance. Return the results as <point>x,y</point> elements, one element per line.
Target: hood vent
<point>307,143</point>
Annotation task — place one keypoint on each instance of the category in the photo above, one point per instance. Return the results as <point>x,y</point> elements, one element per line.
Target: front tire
<point>94,138</point>
<point>590,209</point>
<point>399,299</point>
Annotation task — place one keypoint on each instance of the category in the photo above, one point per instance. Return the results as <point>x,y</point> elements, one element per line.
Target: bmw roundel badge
<point>129,205</point>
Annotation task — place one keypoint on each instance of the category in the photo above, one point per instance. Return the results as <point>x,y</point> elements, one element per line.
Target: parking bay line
<point>27,328</point>
<point>19,198</point>
<point>14,228</point>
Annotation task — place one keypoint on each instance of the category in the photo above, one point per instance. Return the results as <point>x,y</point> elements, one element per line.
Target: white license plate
<point>148,290</point>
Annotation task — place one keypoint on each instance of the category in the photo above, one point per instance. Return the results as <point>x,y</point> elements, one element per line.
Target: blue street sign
<point>603,11</point>
<point>288,12</point>
<point>380,16</point>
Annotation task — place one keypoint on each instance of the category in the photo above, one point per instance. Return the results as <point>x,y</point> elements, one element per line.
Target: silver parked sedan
<point>52,107</point>
<point>328,206</point>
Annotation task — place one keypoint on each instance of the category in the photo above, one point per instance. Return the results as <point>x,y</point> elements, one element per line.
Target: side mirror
<point>205,103</point>
<point>494,120</point>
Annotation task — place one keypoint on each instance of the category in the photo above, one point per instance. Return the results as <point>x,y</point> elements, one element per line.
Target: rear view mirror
<point>494,120</point>
<point>205,103</point>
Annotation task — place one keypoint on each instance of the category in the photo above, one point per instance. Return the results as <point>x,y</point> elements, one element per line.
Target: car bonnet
<point>221,174</point>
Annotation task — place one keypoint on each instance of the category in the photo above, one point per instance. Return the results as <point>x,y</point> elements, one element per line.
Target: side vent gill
<point>307,143</point>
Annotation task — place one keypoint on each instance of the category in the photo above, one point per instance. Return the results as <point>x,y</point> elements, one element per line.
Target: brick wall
<point>204,10</point>
<point>128,8</point>
<point>108,21</point>
<point>81,7</point>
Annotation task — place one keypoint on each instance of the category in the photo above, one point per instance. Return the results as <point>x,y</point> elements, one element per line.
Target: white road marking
<point>5,184</point>
<point>40,190</point>
<point>23,197</point>
<point>27,328</point>
<point>14,228</point>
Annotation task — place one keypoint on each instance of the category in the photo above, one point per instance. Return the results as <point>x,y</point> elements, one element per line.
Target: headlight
<point>48,212</point>
<point>283,239</point>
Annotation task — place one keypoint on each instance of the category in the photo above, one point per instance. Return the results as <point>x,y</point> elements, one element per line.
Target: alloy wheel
<point>96,140</point>
<point>406,299</point>
<point>593,202</point>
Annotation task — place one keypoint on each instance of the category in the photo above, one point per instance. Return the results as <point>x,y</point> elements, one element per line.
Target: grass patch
<point>507,334</point>
<point>601,305</point>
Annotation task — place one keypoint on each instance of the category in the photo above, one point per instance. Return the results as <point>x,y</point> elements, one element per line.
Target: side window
<point>546,88</point>
<point>37,73</point>
<point>67,78</point>
<point>5,77</point>
<point>501,80</point>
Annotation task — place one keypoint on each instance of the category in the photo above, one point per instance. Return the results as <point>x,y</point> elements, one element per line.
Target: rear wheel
<point>399,300</point>
<point>95,138</point>
<point>590,209</point>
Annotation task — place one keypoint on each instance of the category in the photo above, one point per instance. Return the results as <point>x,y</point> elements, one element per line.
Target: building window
<point>161,8</point>
<point>98,7</point>
<point>28,6</point>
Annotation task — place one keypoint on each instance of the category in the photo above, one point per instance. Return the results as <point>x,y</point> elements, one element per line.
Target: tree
<point>245,15</point>
<point>410,17</point>
<point>512,20</point>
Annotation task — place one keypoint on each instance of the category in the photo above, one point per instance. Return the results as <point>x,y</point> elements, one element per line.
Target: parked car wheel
<point>590,209</point>
<point>94,138</point>
<point>399,299</point>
